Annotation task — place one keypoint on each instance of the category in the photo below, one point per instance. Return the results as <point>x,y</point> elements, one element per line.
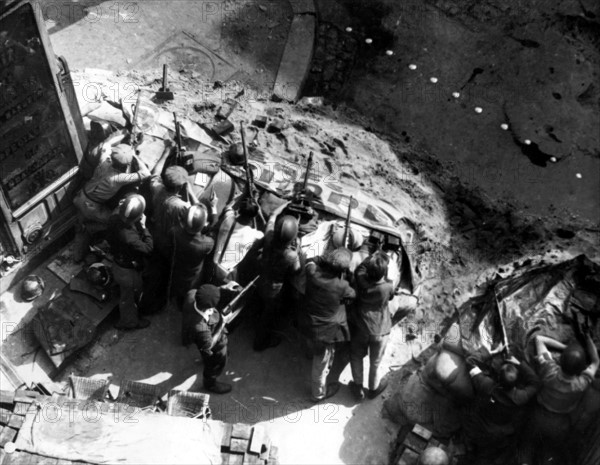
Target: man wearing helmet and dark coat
<point>279,262</point>
<point>93,202</point>
<point>131,244</point>
<point>563,386</point>
<point>190,247</point>
<point>371,323</point>
<point>324,318</point>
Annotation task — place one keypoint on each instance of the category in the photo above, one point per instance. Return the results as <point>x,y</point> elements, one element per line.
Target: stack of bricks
<point>412,442</point>
<point>247,445</point>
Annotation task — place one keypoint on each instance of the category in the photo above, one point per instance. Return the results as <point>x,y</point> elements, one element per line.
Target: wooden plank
<point>7,397</point>
<point>273,455</point>
<point>4,416</point>
<point>10,372</point>
<point>241,431</point>
<point>256,443</point>
<point>238,445</point>
<point>226,440</point>
<point>236,459</point>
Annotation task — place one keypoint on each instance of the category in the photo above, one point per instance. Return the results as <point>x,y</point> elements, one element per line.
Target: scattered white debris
<point>455,94</point>
<point>412,66</point>
<point>504,126</point>
<point>433,79</point>
<point>478,109</point>
<point>348,29</point>
<point>369,41</point>
<point>553,159</point>
<point>527,142</point>
<point>578,176</point>
<point>389,52</point>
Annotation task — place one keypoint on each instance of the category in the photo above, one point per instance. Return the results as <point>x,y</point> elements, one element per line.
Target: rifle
<point>347,224</point>
<point>179,149</point>
<point>227,313</point>
<point>301,203</point>
<point>249,176</point>
<point>135,138</point>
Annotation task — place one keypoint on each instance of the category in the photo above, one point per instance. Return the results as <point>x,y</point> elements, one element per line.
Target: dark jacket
<point>497,404</point>
<point>370,313</point>
<point>199,331</point>
<point>130,244</point>
<point>324,304</point>
<point>189,252</point>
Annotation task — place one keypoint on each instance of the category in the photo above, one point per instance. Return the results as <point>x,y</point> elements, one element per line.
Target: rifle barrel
<point>308,168</point>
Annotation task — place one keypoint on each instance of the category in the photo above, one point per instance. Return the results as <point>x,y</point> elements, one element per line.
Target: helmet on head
<point>131,208</point>
<point>236,154</point>
<point>339,259</point>
<point>99,274</point>
<point>573,360</point>
<point>195,219</point>
<point>355,239</point>
<point>377,266</point>
<point>434,456</point>
<point>32,287</point>
<point>286,229</point>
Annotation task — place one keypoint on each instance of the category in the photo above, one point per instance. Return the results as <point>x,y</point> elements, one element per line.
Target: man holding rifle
<point>204,325</point>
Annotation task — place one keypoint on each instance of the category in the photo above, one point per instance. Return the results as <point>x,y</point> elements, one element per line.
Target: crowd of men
<point>530,406</point>
<point>162,240</point>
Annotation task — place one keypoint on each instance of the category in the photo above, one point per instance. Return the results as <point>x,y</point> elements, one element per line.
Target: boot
<point>217,387</point>
<point>375,392</point>
<point>357,391</point>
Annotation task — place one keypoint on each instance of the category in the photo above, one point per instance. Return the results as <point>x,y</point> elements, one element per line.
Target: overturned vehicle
<point>522,320</point>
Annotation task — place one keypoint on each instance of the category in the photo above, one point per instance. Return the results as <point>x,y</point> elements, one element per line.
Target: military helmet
<point>286,229</point>
<point>32,287</point>
<point>196,219</point>
<point>99,274</point>
<point>433,456</point>
<point>355,239</point>
<point>235,154</point>
<point>131,208</point>
<point>573,359</point>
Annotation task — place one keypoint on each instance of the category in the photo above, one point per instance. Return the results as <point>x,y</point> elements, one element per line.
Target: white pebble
<point>455,94</point>
<point>10,447</point>
<point>504,126</point>
<point>553,159</point>
<point>412,66</point>
<point>389,52</point>
<point>527,142</point>
<point>578,176</point>
<point>433,79</point>
<point>478,109</point>
<point>369,41</point>
<point>348,29</point>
